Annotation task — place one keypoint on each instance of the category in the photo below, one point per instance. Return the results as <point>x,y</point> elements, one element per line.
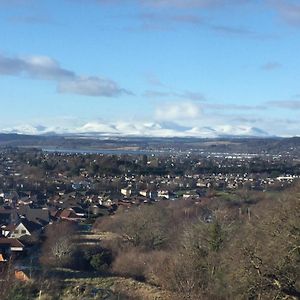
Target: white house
<point>19,231</point>
<point>126,192</point>
<point>163,194</point>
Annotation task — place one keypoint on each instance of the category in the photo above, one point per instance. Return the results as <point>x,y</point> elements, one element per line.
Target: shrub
<point>143,227</point>
<point>101,261</point>
<point>131,263</point>
<point>22,292</point>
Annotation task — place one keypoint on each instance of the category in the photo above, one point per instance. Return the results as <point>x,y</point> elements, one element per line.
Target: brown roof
<point>10,242</point>
<point>20,275</point>
<point>10,227</point>
<point>68,213</point>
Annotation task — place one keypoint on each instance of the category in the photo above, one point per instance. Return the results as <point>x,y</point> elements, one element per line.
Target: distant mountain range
<point>126,129</point>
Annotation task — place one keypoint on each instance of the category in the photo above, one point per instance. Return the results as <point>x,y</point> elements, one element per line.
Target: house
<point>99,210</point>
<point>124,203</point>
<point>232,185</point>
<point>22,228</point>
<point>93,199</point>
<point>8,216</point>
<point>69,200</point>
<point>145,193</point>
<point>11,197</point>
<point>107,202</point>
<point>25,201</point>
<point>165,194</point>
<point>69,214</point>
<point>25,227</point>
<point>201,184</point>
<point>10,246</point>
<point>126,192</point>
<point>190,195</point>
<point>35,215</point>
<point>6,230</point>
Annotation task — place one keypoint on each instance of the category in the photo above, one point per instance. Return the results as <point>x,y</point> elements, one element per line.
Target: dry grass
<point>117,285</point>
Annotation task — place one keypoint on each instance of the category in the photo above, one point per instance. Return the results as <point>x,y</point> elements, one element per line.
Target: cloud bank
<point>285,104</point>
<point>67,81</point>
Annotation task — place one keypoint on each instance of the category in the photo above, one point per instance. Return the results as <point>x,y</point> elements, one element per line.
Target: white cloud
<point>46,68</point>
<point>178,111</point>
<point>285,104</point>
<point>90,86</point>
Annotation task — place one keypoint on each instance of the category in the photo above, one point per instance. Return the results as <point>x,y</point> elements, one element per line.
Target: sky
<point>199,68</point>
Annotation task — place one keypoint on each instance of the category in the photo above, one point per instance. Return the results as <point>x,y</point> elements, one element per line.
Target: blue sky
<point>150,67</point>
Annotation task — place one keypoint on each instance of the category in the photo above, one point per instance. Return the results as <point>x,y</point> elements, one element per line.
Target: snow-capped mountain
<point>151,129</point>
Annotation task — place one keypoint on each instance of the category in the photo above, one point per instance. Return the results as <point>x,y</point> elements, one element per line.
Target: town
<point>39,189</point>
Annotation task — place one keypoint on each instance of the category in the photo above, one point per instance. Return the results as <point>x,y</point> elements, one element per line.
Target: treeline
<point>38,164</point>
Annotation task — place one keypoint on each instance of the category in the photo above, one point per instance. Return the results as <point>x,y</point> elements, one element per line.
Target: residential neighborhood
<point>39,188</point>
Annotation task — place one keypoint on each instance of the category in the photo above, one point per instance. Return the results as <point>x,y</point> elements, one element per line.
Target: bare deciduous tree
<point>58,247</point>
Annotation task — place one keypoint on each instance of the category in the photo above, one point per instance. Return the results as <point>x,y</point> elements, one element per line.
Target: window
<point>23,231</point>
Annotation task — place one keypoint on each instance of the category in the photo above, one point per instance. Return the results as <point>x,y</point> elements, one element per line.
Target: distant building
<point>126,192</point>
<point>145,193</point>
<point>163,194</point>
